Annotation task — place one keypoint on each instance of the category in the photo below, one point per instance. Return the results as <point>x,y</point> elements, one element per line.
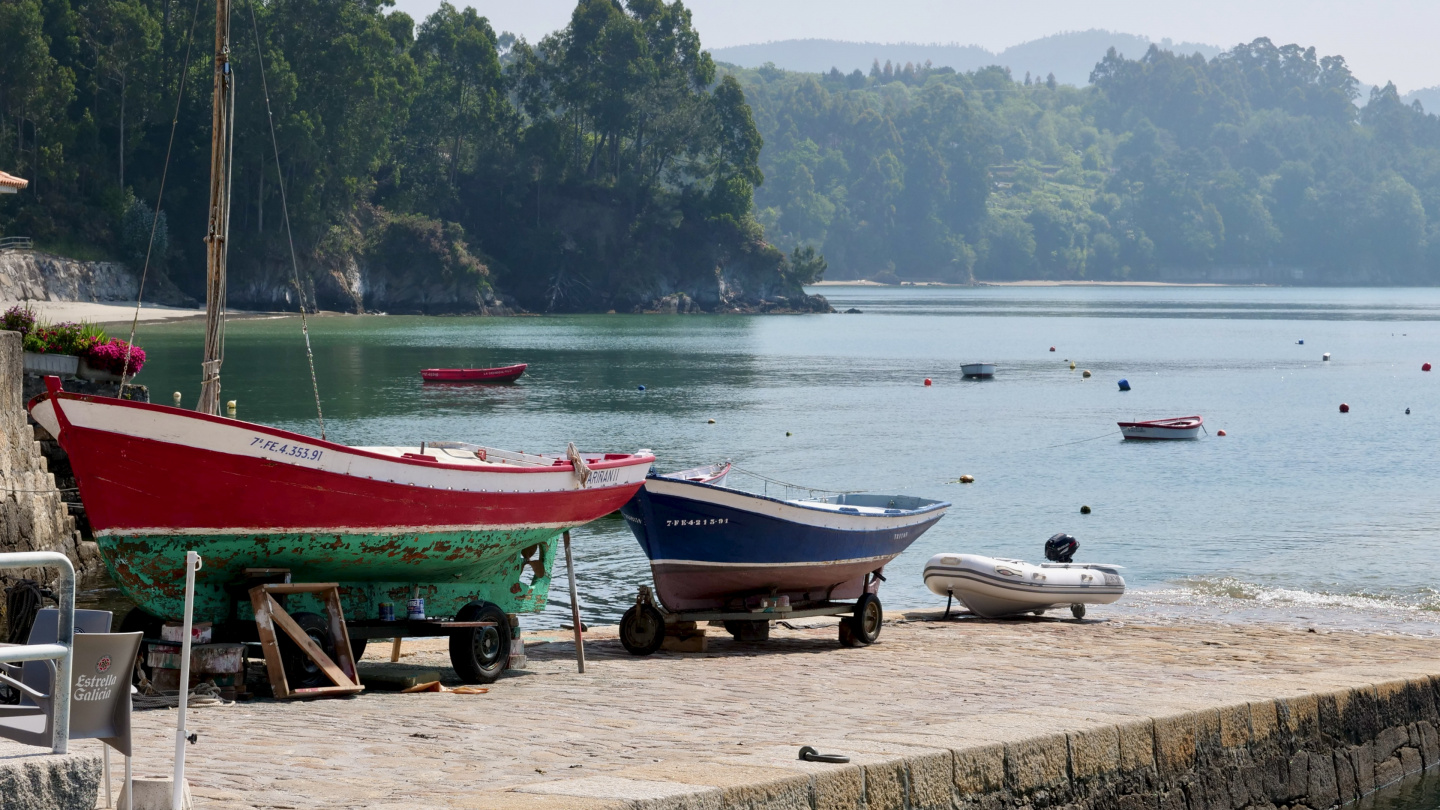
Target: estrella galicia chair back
<point>46,630</point>
<point>100,675</point>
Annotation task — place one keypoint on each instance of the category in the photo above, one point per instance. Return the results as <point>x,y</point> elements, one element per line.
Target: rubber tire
<point>300,671</point>
<point>480,654</point>
<point>862,628</point>
<point>642,630</point>
<point>138,620</point>
<point>357,647</point>
<point>748,631</point>
<point>1077,610</point>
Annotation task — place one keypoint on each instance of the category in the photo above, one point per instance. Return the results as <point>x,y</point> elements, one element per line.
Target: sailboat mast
<point>219,231</point>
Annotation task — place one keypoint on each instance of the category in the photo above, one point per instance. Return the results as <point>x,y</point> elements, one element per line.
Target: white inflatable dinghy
<point>992,587</point>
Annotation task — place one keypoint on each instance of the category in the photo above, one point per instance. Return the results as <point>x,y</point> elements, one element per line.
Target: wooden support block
<point>393,678</point>
<point>693,642</point>
<point>269,615</point>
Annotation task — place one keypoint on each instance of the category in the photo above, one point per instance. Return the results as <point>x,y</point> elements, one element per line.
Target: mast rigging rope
<point>155,218</point>
<point>285,209</point>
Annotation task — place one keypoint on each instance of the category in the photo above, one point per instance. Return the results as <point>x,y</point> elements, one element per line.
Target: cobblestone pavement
<point>632,728</point>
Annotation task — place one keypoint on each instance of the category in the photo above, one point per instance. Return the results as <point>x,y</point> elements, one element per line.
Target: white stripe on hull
<point>818,516</point>
<point>812,563</point>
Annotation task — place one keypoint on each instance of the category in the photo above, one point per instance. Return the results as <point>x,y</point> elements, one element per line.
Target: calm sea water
<point>1299,514</point>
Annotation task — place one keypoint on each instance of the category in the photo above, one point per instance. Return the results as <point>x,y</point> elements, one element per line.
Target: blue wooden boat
<point>715,550</point>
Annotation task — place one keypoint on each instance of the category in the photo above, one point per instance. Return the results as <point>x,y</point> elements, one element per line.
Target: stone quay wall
<point>33,516</point>
<point>1313,751</point>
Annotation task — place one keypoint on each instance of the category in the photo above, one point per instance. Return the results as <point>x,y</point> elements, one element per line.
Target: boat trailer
<point>647,624</point>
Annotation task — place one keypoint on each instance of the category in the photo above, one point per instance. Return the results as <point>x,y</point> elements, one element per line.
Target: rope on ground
<point>205,695</point>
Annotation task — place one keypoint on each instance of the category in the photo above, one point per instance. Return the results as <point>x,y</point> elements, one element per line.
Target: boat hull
<point>993,588</point>
<point>717,548</point>
<point>502,374</point>
<point>978,370</point>
<point>1164,429</point>
<point>158,481</point>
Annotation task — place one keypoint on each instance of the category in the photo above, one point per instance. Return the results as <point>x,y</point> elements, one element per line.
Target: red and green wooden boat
<point>459,522</point>
<point>501,374</point>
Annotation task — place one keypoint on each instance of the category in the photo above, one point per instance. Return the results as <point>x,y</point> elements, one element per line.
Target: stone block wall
<point>1310,752</point>
<point>33,517</point>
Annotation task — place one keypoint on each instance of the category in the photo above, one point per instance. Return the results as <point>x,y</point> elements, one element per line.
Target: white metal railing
<point>62,652</point>
<point>16,243</point>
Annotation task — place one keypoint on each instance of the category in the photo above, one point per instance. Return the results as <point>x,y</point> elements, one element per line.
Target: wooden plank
<point>306,645</point>
<point>395,650</point>
<point>343,652</point>
<point>298,587</point>
<point>261,602</point>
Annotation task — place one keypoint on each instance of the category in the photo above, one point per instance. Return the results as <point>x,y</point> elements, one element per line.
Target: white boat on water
<point>1183,427</point>
<point>982,370</point>
<point>993,587</point>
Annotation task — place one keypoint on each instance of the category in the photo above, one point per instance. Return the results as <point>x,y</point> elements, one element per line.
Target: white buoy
<point>230,406</point>
<point>177,399</point>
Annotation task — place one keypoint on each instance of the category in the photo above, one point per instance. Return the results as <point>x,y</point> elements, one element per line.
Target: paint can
<point>387,611</point>
<point>417,608</point>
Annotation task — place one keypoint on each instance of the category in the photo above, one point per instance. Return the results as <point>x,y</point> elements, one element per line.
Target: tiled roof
<point>12,181</point>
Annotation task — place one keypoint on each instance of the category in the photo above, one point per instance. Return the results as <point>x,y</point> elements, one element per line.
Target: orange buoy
<point>1052,348</point>
<point>1344,408</point>
<point>1219,433</point>
<point>1425,367</point>
<point>927,380</point>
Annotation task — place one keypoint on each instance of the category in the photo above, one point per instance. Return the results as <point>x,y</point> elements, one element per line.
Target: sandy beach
<point>1030,283</point>
<point>104,313</point>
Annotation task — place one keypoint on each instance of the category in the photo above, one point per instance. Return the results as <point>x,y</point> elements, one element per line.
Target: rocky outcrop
<point>30,275</point>
<point>33,517</point>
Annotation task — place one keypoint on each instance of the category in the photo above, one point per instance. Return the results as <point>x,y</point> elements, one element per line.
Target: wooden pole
<point>218,233</point>
<point>575,607</point>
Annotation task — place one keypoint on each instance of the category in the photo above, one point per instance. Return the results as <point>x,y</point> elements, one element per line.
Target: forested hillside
<point>614,165</point>
<point>604,167</point>
<point>1256,165</point>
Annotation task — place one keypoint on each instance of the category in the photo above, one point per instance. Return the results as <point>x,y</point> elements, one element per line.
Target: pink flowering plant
<point>81,339</point>
<point>110,356</point>
<point>20,318</point>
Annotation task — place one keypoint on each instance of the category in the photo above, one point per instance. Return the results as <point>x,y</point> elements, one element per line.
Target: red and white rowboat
<point>1181,427</point>
<point>486,375</point>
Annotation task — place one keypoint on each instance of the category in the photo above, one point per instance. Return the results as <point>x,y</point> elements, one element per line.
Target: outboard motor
<point>1061,548</point>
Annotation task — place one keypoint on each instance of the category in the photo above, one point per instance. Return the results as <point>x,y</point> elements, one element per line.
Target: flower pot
<point>63,365</point>
<point>89,372</point>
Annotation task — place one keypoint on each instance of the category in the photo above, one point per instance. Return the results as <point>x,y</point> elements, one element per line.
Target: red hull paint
<point>501,374</point>
<point>133,482</point>
<point>187,488</point>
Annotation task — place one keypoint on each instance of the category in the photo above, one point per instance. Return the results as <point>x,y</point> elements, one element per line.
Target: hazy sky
<point>1382,40</point>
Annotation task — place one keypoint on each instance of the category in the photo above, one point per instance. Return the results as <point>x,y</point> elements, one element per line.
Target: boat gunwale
<point>630,460</point>
<point>1167,424</point>
<point>933,506</point>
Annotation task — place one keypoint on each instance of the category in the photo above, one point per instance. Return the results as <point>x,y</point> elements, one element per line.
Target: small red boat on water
<point>1184,427</point>
<point>502,374</point>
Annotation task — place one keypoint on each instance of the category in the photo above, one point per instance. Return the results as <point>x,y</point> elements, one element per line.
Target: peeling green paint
<point>510,568</point>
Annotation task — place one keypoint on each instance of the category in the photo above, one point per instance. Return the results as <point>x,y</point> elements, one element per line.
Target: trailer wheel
<point>863,627</point>
<point>300,671</point>
<point>480,654</point>
<point>357,647</point>
<point>748,631</point>
<point>642,629</point>
<point>1077,610</point>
